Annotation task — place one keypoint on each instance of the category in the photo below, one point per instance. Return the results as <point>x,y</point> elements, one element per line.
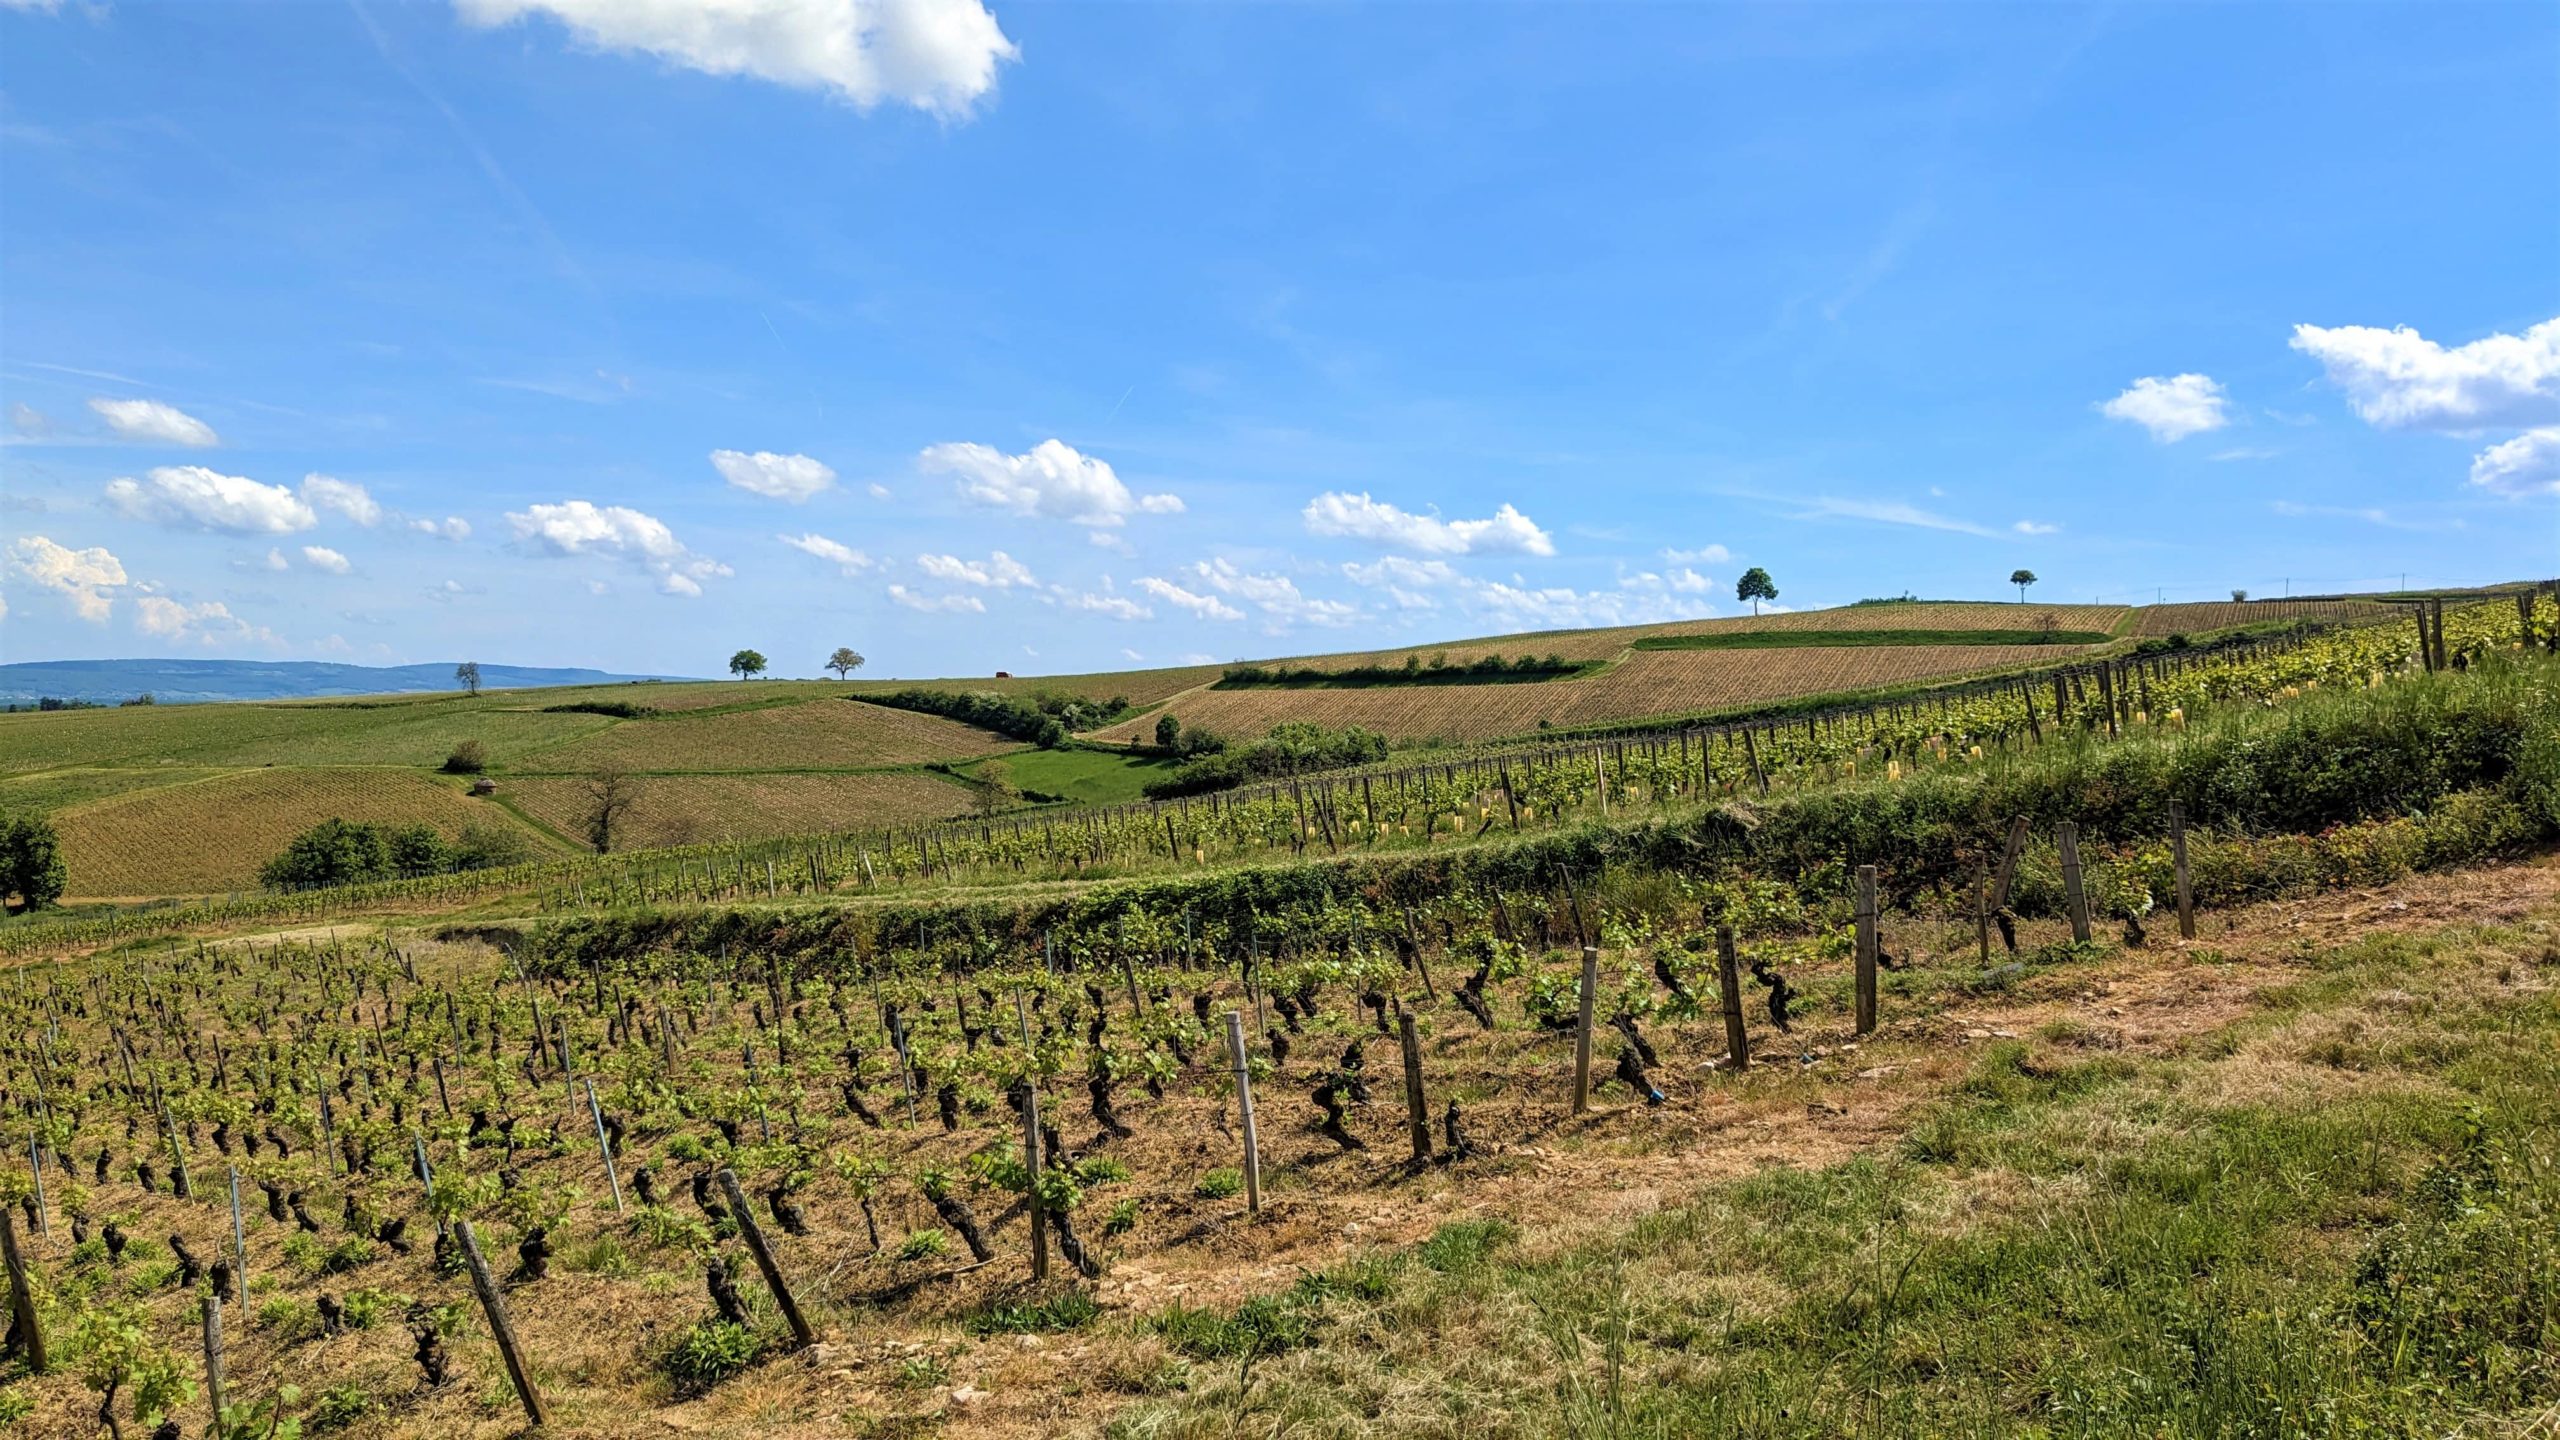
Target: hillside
<point>171,682</point>
<point>135,790</point>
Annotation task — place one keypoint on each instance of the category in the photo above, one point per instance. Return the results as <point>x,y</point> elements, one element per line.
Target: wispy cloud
<point>1890,512</point>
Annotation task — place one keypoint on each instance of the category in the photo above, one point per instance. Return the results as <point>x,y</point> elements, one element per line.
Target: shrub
<point>1295,747</point>
<point>1045,720</point>
<point>340,1406</point>
<point>468,758</point>
<point>708,1353</point>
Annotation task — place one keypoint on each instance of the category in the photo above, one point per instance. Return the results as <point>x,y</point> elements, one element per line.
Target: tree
<point>333,852</point>
<point>844,662</point>
<point>610,796</point>
<point>2239,597</point>
<point>1168,731</point>
<point>1755,586</point>
<point>468,758</point>
<point>746,663</point>
<point>468,673</point>
<point>31,861</point>
<point>2022,579</point>
<point>996,790</point>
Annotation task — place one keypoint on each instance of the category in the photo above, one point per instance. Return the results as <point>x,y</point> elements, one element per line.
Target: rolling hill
<point>191,799</point>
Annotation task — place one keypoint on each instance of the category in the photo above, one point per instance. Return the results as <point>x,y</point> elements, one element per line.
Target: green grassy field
<point>1088,777</point>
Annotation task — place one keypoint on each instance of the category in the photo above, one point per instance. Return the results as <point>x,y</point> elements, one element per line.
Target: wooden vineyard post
<point>2017,844</point>
<point>22,1301</point>
<point>753,1234</point>
<point>1866,916</point>
<point>213,1356</point>
<point>1751,752</point>
<point>1582,1030</point>
<point>1244,1113</point>
<point>1737,1041</point>
<point>2186,881</point>
<point>239,1239</point>
<point>604,1147</point>
<point>1031,1147</point>
<point>495,1307</point>
<point>1982,916</point>
<point>1414,1105</point>
<point>2067,836</point>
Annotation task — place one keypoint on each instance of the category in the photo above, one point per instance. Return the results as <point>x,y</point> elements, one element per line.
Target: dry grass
<point>700,809</point>
<point>212,836</point>
<point>823,734</point>
<point>1646,684</point>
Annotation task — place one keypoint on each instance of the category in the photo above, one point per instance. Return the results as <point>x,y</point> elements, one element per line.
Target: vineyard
<point>812,735</point>
<point>212,835</point>
<point>1013,1163</point>
<point>771,736</point>
<point>681,810</point>
<point>1646,683</point>
<point>1457,798</point>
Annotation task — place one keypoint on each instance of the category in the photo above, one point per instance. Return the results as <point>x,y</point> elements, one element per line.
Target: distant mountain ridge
<point>190,681</point>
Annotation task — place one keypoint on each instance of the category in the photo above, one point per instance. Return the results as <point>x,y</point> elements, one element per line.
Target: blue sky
<point>1054,337</point>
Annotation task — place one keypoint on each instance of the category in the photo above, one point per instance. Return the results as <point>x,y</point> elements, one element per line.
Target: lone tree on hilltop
<point>844,662</point>
<point>746,664</point>
<point>2022,579</point>
<point>468,673</point>
<point>1755,586</point>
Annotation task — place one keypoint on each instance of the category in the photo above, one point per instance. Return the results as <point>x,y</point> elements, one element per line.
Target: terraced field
<point>1602,644</point>
<point>212,835</point>
<point>2158,620</point>
<point>1647,683</point>
<point>822,734</point>
<point>700,809</point>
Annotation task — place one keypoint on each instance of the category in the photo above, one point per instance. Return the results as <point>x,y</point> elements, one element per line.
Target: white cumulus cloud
<point>1118,607</point>
<point>835,552</point>
<point>84,577</point>
<point>1703,555</point>
<point>1276,596</point>
<point>780,477</point>
<point>154,421</point>
<point>343,497</point>
<point>2400,380</point>
<point>451,527</point>
<point>1360,517</point>
<point>2171,408</point>
<point>580,527</point>
<point>947,604</point>
<point>2527,465</point>
<point>192,495</point>
<point>1207,607</point>
<point>321,557</point>
<point>209,623</point>
<point>1051,479</point>
<point>936,55</point>
<point>998,571</point>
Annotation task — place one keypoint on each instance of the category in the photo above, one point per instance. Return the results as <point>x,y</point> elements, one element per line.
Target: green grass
<point>1088,777</point>
<point>1830,639</point>
<point>2332,1218</point>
